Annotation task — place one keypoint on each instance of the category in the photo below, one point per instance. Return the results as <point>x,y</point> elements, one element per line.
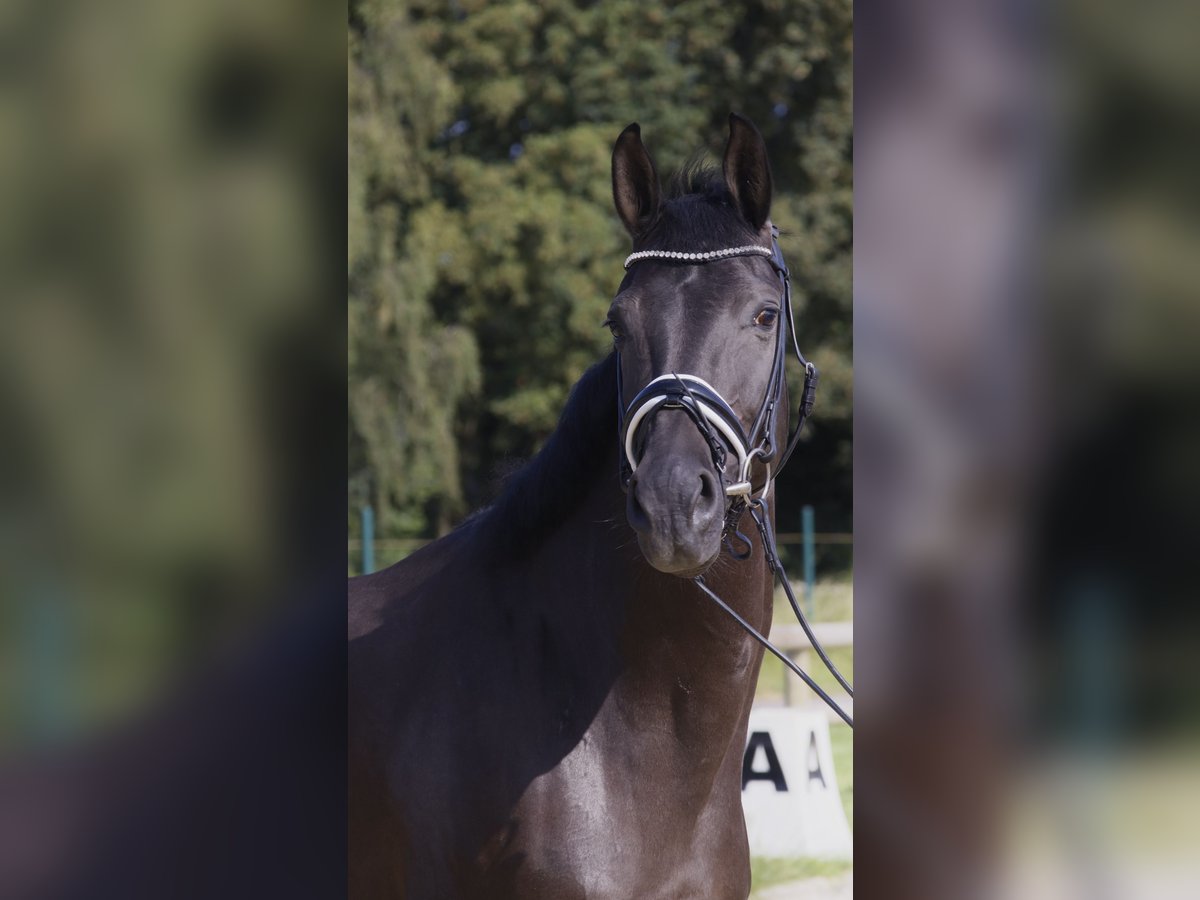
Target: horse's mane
<point>539,495</point>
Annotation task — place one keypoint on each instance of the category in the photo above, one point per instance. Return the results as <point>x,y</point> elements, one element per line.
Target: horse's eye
<point>766,318</point>
<point>614,328</point>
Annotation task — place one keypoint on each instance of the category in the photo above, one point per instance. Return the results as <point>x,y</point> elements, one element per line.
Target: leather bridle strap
<point>783,657</point>
<point>759,512</point>
<point>707,408</point>
<point>811,376</point>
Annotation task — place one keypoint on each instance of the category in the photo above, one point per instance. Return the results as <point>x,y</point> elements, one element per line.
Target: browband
<point>748,250</point>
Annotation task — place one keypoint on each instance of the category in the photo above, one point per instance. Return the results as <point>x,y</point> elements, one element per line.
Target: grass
<point>767,871</point>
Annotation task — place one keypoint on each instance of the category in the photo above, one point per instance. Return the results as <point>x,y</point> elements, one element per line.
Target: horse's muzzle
<point>676,505</point>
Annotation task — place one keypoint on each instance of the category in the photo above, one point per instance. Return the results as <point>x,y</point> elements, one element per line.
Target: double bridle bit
<point>722,429</point>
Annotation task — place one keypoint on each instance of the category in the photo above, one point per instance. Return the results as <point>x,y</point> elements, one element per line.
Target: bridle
<point>723,431</point>
<point>709,410</point>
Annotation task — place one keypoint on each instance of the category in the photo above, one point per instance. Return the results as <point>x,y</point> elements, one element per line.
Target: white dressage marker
<point>789,787</point>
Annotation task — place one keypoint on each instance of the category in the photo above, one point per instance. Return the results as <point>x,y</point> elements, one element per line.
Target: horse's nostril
<point>708,487</point>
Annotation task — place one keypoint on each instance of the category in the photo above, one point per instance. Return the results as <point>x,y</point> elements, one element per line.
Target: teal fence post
<point>810,563</point>
<point>368,540</point>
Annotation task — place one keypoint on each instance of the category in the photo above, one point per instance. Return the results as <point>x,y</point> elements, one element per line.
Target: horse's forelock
<point>698,214</point>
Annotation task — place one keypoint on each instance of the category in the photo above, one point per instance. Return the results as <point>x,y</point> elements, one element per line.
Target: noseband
<point>708,410</point>
<point>722,430</point>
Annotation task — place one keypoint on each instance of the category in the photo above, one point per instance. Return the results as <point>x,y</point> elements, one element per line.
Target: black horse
<point>541,705</point>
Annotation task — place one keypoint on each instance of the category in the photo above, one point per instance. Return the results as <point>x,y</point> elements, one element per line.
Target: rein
<point>722,428</point>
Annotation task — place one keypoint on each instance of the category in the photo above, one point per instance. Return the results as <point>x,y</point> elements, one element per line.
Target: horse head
<point>698,325</point>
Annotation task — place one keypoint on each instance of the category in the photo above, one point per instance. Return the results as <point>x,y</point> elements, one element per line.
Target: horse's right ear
<point>635,182</point>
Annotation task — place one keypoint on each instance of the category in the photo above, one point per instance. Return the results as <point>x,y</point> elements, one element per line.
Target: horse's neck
<point>676,660</point>
<point>693,658</point>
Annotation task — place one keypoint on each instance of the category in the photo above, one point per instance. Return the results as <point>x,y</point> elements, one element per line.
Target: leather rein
<point>724,433</point>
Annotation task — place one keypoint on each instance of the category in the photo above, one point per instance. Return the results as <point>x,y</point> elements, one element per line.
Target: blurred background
<point>484,249</point>
<point>171,396</point>
<point>1026,449</point>
<point>162,228</point>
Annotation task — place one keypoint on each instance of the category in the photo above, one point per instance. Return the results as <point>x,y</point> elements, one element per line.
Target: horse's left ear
<point>747,172</point>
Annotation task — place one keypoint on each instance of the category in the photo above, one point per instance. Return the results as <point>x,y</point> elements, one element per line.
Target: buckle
<point>741,488</point>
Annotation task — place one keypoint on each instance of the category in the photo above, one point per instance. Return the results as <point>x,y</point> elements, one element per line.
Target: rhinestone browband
<point>751,250</point>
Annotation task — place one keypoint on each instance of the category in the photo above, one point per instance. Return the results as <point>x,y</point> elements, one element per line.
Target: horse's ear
<point>635,182</point>
<point>747,172</point>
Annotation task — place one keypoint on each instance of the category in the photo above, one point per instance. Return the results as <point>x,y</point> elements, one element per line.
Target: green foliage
<point>483,248</point>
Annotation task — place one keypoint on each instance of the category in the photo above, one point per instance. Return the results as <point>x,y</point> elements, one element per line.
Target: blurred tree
<point>483,246</point>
